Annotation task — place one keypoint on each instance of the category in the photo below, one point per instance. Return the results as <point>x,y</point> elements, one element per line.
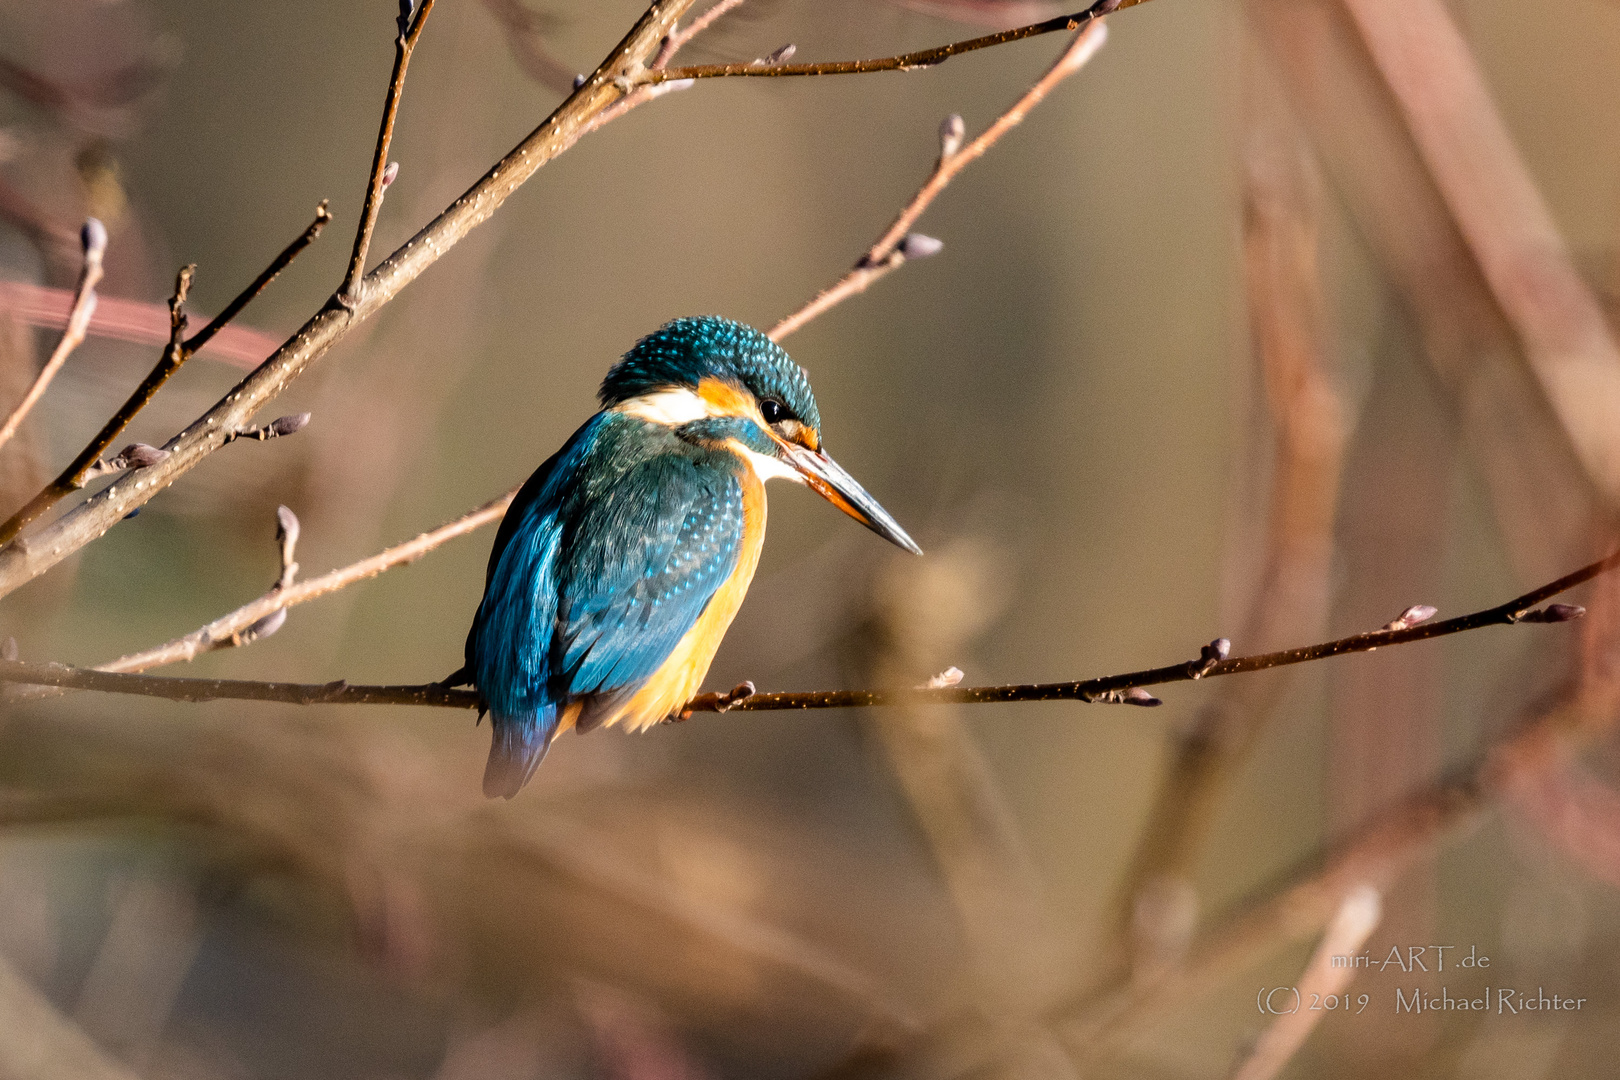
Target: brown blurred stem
<point>887,255</point>
<point>1109,688</point>
<point>174,355</point>
<point>404,46</point>
<point>1156,905</point>
<point>84,303</point>
<point>903,62</point>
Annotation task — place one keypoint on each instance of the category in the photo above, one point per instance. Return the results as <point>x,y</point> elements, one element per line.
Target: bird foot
<point>714,702</point>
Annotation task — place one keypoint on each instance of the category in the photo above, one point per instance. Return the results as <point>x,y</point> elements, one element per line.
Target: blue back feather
<point>605,560</point>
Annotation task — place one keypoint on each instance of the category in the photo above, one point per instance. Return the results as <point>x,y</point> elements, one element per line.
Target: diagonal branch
<point>1110,689</point>
<point>904,62</point>
<point>177,353</point>
<point>891,249</point>
<point>404,45</point>
<point>94,240</point>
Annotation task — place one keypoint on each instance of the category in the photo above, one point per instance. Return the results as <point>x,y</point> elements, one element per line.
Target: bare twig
<point>1355,921</point>
<point>1109,688</point>
<point>904,62</point>
<point>682,36</point>
<point>202,337</point>
<point>897,244</point>
<point>232,629</point>
<point>93,238</point>
<point>21,562</point>
<point>404,45</point>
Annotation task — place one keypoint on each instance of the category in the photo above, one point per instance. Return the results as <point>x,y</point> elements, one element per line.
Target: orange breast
<point>680,677</point>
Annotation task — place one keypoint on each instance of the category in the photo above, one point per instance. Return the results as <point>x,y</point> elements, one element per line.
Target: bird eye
<point>773,411</point>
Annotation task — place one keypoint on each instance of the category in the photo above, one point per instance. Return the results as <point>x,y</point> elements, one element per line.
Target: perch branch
<point>410,30</point>
<point>177,353</point>
<point>94,241</point>
<point>890,251</point>
<point>1112,689</point>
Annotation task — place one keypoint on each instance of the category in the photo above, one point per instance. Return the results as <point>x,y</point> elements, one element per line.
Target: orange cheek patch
<point>725,399</point>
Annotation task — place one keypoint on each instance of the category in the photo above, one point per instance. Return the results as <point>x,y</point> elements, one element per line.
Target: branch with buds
<point>898,243</point>
<point>1127,689</point>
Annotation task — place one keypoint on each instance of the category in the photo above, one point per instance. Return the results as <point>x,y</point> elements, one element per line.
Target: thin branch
<point>1111,689</point>
<point>22,561</point>
<point>904,62</point>
<point>227,630</point>
<point>681,37</point>
<point>890,251</point>
<point>94,241</point>
<point>195,690</point>
<point>195,343</point>
<point>404,45</point>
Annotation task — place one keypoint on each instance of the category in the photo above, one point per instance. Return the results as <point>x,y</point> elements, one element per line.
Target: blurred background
<point>1281,316</point>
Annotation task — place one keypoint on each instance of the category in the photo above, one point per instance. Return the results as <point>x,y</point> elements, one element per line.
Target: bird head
<point>719,383</point>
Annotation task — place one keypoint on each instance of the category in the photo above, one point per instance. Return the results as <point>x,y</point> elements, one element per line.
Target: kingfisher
<point>622,561</point>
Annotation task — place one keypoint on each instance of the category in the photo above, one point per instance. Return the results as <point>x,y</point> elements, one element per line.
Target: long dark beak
<point>829,480</point>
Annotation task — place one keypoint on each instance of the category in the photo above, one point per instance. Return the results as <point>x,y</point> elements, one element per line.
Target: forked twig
<point>410,29</point>
<point>891,249</point>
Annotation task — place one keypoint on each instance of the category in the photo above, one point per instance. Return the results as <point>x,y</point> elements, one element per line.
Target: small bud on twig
<point>1417,613</point>
<point>579,81</point>
<point>1209,656</point>
<point>951,676</point>
<point>951,132</point>
<point>93,238</point>
<point>918,246</point>
<point>261,629</point>
<point>1134,695</point>
<point>133,456</point>
<point>288,425</point>
<point>281,425</point>
<point>390,174</point>
<point>779,56</point>
<point>1553,613</point>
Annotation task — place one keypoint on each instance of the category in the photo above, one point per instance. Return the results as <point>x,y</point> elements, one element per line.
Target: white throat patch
<point>675,406</point>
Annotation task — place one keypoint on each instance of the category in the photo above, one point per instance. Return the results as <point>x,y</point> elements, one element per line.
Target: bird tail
<point>518,746</point>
